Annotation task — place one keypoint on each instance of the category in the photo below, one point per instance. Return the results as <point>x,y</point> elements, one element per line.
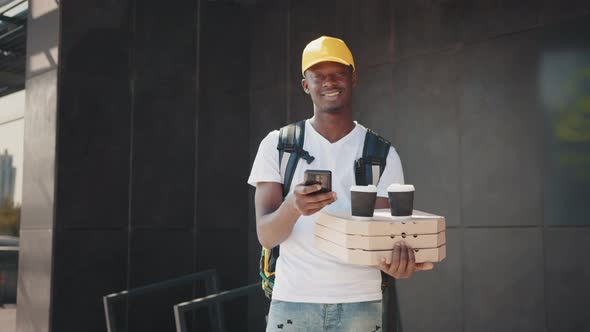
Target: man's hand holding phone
<point>315,193</point>
<point>307,201</point>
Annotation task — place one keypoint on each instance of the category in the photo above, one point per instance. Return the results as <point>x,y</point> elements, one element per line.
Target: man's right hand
<point>307,201</point>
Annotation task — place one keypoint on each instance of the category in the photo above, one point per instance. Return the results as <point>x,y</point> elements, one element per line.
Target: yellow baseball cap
<point>326,49</point>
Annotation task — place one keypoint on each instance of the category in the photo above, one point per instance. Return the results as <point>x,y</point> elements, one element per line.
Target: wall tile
<point>97,33</point>
<point>154,248</point>
<point>501,133</point>
<point>566,271</point>
<point>501,180</point>
<point>94,146</point>
<point>309,21</point>
<point>87,266</point>
<point>503,280</point>
<point>224,155</point>
<point>225,43</point>
<point>165,45</point>
<point>554,10</point>
<point>300,104</point>
<point>216,248</point>
<point>435,295</point>
<point>500,75</point>
<point>268,50</point>
<point>268,113</point>
<point>251,209</point>
<point>39,152</point>
<point>227,253</point>
<point>224,120</point>
<point>422,27</point>
<point>157,256</point>
<point>371,40</point>
<point>425,131</point>
<point>489,18</point>
<point>372,102</point>
<point>164,154</point>
<point>34,280</point>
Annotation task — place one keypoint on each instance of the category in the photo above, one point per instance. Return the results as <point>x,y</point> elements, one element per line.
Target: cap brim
<point>328,58</point>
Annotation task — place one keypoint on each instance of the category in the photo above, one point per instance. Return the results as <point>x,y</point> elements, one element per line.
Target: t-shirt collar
<point>309,128</point>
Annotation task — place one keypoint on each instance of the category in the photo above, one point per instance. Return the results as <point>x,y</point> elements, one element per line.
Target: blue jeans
<point>316,317</point>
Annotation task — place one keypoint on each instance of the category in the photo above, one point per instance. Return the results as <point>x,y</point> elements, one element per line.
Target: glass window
<point>564,87</point>
<point>13,22</point>
<point>11,178</point>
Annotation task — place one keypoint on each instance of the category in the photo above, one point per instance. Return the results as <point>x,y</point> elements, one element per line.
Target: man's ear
<point>305,86</point>
<point>355,79</point>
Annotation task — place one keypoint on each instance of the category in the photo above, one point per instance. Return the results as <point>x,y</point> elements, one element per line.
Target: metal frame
<point>5,267</point>
<point>211,287</point>
<point>12,49</point>
<point>211,300</point>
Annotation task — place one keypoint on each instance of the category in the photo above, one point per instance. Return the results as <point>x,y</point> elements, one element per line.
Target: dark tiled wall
<point>144,119</point>
<point>151,111</point>
<point>483,102</point>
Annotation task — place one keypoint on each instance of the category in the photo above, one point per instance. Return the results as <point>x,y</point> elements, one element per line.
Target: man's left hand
<point>402,262</point>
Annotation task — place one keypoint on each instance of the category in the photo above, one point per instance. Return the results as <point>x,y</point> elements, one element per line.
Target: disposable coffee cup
<point>401,200</point>
<point>363,201</point>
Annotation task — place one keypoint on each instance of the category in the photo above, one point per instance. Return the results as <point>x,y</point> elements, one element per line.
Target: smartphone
<point>322,177</point>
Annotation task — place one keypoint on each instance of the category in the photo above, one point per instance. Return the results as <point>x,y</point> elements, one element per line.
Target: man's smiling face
<point>330,86</point>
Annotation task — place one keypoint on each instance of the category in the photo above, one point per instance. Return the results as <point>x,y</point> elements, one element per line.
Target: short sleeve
<point>266,164</point>
<point>393,173</point>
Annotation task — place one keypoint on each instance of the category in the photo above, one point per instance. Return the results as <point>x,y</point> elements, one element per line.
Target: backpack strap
<point>368,170</point>
<point>290,148</point>
<point>370,167</point>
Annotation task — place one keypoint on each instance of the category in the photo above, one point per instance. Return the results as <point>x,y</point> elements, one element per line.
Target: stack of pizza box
<point>365,242</point>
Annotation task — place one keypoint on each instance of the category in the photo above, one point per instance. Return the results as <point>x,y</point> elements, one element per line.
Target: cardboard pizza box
<point>355,241</point>
<point>373,257</point>
<point>382,223</point>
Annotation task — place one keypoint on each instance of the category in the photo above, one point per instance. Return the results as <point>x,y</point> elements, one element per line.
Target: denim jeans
<point>316,317</point>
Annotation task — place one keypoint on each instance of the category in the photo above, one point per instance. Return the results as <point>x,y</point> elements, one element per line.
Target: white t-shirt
<point>304,273</point>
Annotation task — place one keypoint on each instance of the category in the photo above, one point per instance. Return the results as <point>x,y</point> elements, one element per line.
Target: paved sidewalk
<point>8,318</point>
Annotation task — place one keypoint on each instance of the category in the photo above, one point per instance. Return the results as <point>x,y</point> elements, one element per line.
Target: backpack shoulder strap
<point>370,167</point>
<point>290,146</point>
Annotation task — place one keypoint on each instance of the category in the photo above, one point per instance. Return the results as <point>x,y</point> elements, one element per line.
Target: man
<point>314,291</point>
